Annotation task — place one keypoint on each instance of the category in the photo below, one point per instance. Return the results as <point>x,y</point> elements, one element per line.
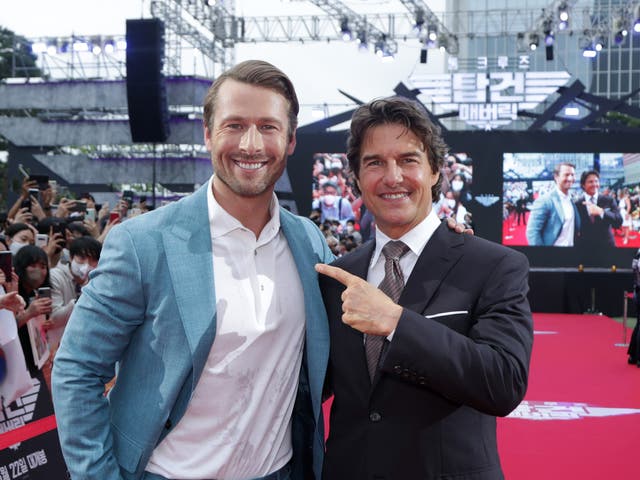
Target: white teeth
<point>394,196</point>
<point>250,166</point>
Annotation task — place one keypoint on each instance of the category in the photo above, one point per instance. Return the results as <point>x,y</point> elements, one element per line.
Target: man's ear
<point>292,144</point>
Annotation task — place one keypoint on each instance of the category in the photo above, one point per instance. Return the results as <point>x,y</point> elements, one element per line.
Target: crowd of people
<point>342,216</point>
<point>53,242</point>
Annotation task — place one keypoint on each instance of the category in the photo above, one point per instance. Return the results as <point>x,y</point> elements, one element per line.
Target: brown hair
<point>396,111</point>
<point>261,74</point>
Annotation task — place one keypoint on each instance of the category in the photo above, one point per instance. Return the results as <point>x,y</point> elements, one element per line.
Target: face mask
<point>15,246</point>
<point>451,203</point>
<point>457,185</point>
<point>329,199</point>
<point>349,229</point>
<point>80,270</point>
<point>35,277</point>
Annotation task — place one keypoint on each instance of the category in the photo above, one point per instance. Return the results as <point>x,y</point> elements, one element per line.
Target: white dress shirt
<point>565,239</point>
<point>238,422</point>
<point>415,239</point>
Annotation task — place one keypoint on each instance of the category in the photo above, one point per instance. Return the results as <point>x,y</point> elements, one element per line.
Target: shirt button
<point>397,369</point>
<point>375,417</point>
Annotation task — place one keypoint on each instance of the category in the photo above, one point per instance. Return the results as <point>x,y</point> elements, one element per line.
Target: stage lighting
<point>345,30</point>
<point>636,18</point>
<point>121,44</point>
<point>52,48</point>
<point>599,43</point>
<point>38,47</point>
<point>534,41</point>
<point>109,46</point>
<point>419,19</point>
<point>548,38</point>
<point>589,51</point>
<point>80,46</point>
<point>362,39</point>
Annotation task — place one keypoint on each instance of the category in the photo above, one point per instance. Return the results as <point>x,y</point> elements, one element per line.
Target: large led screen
<point>542,190</point>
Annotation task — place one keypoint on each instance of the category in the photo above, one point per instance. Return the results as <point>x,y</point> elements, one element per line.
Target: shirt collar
<point>587,197</point>
<point>415,239</point>
<point>222,222</point>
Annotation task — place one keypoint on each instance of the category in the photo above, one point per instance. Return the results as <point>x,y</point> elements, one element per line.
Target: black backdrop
<point>557,282</point>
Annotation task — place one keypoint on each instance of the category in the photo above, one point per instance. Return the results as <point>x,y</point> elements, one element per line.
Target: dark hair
<point>86,195</point>
<point>261,74</point>
<point>77,226</point>
<point>26,256</point>
<point>396,111</point>
<point>85,246</point>
<point>583,177</point>
<point>14,228</point>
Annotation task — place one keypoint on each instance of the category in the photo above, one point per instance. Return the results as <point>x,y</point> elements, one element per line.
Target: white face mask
<point>329,200</point>
<point>15,246</point>
<point>451,202</point>
<point>457,185</point>
<point>80,270</point>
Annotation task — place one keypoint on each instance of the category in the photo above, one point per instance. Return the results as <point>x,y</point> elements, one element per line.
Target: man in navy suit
<point>599,214</point>
<point>211,309</point>
<point>456,344</point>
<point>554,218</point>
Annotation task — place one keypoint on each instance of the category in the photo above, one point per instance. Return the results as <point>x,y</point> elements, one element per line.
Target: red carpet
<point>581,415</point>
<point>514,234</point>
<point>593,432</point>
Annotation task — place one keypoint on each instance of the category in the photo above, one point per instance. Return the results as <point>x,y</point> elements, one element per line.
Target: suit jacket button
<point>375,417</point>
<point>168,424</point>
<point>406,373</point>
<point>397,369</point>
<point>422,380</point>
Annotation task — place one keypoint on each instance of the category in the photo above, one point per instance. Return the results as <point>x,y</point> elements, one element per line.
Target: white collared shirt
<point>238,422</point>
<point>565,239</point>
<point>415,239</point>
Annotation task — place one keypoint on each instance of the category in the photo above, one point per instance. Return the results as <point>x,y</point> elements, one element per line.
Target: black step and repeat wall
<point>567,279</point>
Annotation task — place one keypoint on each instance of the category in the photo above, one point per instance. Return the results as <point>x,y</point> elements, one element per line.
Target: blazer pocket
<point>127,453</point>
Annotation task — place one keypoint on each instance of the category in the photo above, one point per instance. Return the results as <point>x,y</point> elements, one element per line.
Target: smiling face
<point>248,140</point>
<point>395,178</point>
<point>565,177</point>
<point>591,185</point>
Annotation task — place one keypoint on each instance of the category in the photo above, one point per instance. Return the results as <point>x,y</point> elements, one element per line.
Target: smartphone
<point>26,204</point>
<point>43,181</point>
<point>41,240</point>
<point>78,206</point>
<point>114,216</point>
<point>127,196</point>
<point>5,264</point>
<point>91,214</point>
<point>35,193</point>
<point>44,292</point>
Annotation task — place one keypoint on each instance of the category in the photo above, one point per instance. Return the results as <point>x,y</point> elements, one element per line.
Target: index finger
<point>336,273</point>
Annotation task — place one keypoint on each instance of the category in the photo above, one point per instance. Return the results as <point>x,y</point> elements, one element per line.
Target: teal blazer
<point>150,308</point>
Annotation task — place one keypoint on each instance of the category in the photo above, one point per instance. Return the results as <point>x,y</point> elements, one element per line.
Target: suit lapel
<point>189,258</point>
<point>439,255</point>
<point>316,325</point>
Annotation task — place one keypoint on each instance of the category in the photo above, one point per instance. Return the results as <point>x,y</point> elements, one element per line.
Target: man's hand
<point>365,307</point>
<point>593,209</point>
<point>458,227</point>
<point>12,301</point>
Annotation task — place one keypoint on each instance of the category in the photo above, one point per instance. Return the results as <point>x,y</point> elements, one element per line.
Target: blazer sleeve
<point>538,218</point>
<point>485,367</point>
<point>109,310</point>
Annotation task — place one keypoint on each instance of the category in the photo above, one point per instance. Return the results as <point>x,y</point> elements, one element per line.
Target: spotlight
<point>121,44</point>
<point>38,47</point>
<point>419,19</point>
<point>109,46</point>
<point>549,38</point>
<point>80,46</point>
<point>589,51</point>
<point>534,41</point>
<point>636,19</point>
<point>52,48</point>
<point>361,39</point>
<point>344,29</point>
<point>96,50</point>
<point>599,43</point>
<point>563,16</point>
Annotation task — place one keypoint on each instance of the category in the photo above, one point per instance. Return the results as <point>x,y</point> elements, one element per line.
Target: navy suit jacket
<point>458,358</point>
<point>150,306</point>
<point>598,232</point>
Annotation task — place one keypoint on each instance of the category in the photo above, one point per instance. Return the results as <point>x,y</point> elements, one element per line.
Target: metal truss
<point>211,30</point>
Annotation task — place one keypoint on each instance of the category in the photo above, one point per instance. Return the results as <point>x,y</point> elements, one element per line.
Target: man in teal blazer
<point>148,314</point>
